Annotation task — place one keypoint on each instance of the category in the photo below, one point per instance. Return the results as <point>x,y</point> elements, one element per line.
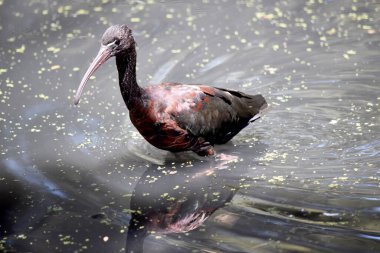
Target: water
<point>308,176</point>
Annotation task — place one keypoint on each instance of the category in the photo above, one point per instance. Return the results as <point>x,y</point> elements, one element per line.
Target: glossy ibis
<point>173,116</point>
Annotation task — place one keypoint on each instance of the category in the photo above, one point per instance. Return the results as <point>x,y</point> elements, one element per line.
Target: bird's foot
<point>205,149</point>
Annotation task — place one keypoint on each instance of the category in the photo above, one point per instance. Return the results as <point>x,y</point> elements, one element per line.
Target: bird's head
<point>115,40</point>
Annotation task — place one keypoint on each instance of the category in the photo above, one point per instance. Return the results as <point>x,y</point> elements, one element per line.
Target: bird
<point>173,116</point>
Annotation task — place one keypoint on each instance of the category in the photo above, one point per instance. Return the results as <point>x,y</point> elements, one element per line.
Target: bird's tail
<point>250,106</point>
<point>258,105</point>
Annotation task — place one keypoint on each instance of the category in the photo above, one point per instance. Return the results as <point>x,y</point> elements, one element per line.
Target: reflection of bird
<point>174,203</point>
<point>173,116</point>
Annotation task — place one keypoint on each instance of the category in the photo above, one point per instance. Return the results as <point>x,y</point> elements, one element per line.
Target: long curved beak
<point>103,55</point>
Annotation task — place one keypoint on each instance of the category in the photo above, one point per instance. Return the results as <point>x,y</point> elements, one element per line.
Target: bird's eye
<point>117,42</point>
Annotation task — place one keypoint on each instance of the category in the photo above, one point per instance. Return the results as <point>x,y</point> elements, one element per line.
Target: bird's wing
<point>213,113</point>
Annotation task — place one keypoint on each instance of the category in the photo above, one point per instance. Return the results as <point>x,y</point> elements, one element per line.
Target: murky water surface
<point>308,174</point>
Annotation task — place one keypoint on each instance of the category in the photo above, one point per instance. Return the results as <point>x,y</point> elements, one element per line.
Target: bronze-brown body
<point>191,117</point>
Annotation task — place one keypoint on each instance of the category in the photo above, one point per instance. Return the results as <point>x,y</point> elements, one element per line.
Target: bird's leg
<point>203,148</point>
<point>206,151</point>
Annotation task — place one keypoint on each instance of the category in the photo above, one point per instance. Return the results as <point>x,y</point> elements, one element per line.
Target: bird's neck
<point>126,66</point>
